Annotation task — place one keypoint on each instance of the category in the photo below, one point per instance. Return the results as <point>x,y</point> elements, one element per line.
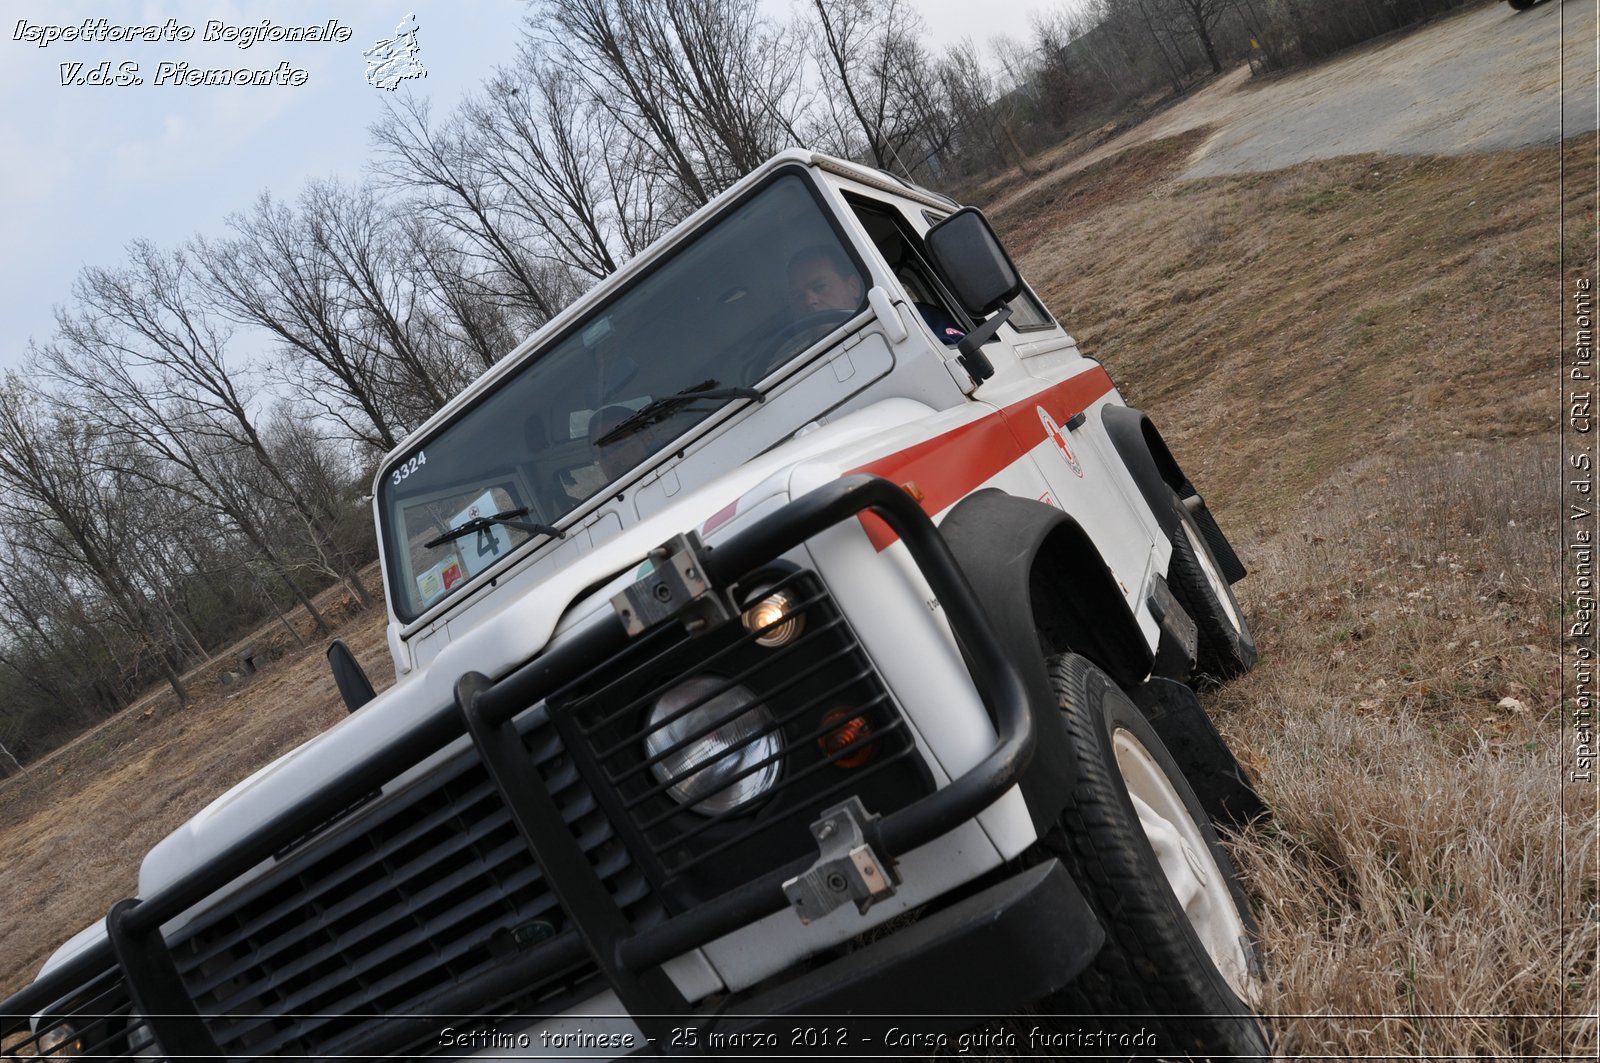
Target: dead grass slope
<point>1286,324</point>
<point>1427,887</point>
<point>1357,362</point>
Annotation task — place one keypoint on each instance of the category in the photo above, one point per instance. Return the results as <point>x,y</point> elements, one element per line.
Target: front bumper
<point>988,954</point>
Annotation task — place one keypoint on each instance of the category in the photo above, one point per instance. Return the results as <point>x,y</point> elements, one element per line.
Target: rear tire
<point>1227,648</point>
<point>1179,959</point>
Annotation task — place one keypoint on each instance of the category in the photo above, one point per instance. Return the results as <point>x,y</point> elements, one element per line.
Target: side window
<point>903,249</point>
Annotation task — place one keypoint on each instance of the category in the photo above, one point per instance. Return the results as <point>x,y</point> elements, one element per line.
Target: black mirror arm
<point>972,358</point>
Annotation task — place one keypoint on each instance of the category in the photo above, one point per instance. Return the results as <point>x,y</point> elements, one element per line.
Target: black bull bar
<point>631,960</point>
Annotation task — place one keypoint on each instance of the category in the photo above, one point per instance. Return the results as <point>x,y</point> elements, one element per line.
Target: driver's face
<point>815,286</point>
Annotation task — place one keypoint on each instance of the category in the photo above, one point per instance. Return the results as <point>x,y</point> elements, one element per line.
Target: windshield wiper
<point>660,409</point>
<point>506,517</point>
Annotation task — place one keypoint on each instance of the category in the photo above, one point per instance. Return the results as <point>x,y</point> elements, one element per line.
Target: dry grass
<point>1285,324</point>
<point>75,826</point>
<point>1356,360</point>
<point>1426,862</point>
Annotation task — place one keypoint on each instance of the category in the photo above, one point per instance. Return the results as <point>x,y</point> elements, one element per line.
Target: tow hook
<point>847,870</point>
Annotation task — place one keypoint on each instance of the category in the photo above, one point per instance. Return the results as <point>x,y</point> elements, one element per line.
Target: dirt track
<point>1481,80</point>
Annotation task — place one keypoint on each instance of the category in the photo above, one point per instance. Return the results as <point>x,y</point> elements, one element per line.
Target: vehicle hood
<point>518,631</point>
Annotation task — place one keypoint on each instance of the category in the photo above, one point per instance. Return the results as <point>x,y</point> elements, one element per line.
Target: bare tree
<point>862,46</point>
<point>703,90</point>
<point>474,320</point>
<point>539,136</point>
<point>1200,18</point>
<point>170,432</point>
<point>68,513</point>
<point>441,165</point>
<point>145,343</point>
<point>57,666</point>
<point>274,276</point>
<point>366,253</point>
<point>601,38</point>
<point>971,97</point>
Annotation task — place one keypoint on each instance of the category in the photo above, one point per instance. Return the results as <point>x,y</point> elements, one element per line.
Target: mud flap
<point>1219,780</point>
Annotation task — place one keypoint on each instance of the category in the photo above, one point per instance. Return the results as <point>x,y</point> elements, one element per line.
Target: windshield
<point>763,283</point>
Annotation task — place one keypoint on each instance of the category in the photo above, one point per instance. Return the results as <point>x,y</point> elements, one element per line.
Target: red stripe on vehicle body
<point>951,466</point>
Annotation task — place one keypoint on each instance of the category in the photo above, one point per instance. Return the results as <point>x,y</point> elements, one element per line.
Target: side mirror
<point>970,256</point>
<point>354,686</point>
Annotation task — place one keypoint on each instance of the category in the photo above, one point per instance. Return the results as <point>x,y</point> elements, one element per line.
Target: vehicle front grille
<point>429,901</point>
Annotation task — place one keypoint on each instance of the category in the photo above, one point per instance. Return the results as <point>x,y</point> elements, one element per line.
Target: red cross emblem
<point>1054,433</point>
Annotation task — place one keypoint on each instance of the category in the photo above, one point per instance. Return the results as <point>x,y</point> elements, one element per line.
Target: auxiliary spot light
<point>770,610</point>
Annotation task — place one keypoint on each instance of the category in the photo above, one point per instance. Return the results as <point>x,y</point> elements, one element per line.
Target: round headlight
<point>768,612</point>
<point>705,766</point>
<point>60,1042</point>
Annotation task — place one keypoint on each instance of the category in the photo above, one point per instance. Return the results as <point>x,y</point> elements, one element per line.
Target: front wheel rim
<point>1219,586</point>
<point>1191,869</point>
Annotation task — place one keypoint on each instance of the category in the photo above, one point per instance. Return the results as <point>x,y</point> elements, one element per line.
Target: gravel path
<point>1484,79</point>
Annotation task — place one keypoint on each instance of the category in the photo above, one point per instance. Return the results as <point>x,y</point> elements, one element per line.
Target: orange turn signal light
<point>847,734</point>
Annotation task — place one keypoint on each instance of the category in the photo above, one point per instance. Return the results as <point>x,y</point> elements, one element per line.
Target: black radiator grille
<point>607,719</point>
<point>428,893</point>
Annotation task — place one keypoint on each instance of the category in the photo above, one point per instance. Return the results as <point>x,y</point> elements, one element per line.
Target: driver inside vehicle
<point>822,281</point>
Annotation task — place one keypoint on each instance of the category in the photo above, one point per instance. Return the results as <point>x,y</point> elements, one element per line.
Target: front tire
<point>1226,646</point>
<point>1179,954</point>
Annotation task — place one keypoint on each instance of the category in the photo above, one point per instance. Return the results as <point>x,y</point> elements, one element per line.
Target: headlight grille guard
<point>630,960</point>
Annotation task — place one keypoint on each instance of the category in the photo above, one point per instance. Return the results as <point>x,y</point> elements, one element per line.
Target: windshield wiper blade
<point>660,409</point>
<point>507,517</point>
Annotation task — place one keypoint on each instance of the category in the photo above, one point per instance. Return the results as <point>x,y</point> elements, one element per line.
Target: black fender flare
<point>1045,589</point>
<point>1148,460</point>
<point>1159,476</point>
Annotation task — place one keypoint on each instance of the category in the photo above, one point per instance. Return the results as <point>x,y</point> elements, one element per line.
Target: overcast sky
<point>89,168</point>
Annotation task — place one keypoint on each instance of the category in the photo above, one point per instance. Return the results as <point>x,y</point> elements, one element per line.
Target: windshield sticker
<point>406,468</point>
<point>440,579</point>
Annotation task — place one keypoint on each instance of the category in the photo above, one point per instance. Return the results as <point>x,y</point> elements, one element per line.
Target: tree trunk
<point>284,620</point>
<point>352,579</point>
<point>1172,69</point>
<point>1205,42</point>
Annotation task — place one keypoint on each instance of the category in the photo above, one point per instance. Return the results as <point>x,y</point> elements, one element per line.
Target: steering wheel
<point>793,338</point>
<point>811,323</point>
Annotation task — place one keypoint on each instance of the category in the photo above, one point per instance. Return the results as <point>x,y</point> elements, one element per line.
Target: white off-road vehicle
<point>790,643</point>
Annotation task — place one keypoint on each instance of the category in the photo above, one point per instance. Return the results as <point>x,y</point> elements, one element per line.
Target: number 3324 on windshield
<point>406,468</point>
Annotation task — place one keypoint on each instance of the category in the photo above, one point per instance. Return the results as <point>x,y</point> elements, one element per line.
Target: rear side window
<point>1027,313</point>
